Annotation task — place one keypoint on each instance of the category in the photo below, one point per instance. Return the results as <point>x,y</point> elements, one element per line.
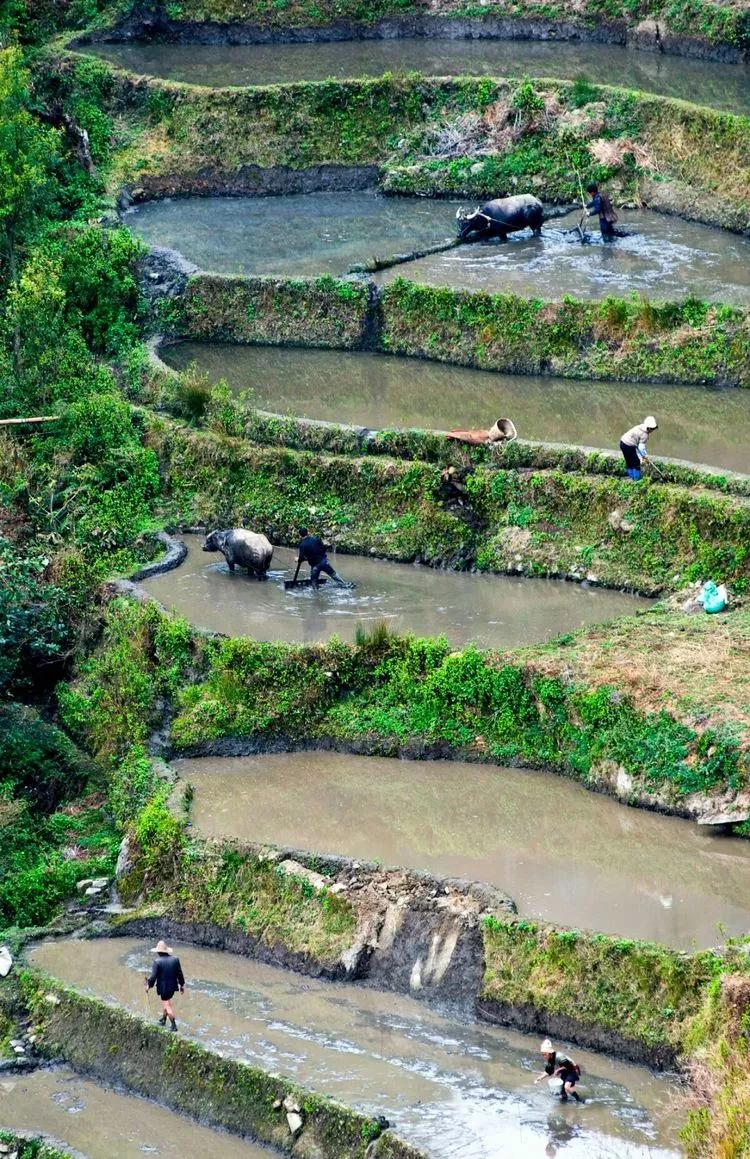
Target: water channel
<point>626,872</point>
<point>299,235</point>
<point>662,258</point>
<point>328,233</point>
<point>491,611</point>
<point>101,1123</point>
<point>378,390</point>
<point>460,1091</point>
<point>722,86</point>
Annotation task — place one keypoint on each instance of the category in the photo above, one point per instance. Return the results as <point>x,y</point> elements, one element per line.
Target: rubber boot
<point>163,1020</point>
<point>576,1096</point>
<point>637,475</point>
<point>173,1025</point>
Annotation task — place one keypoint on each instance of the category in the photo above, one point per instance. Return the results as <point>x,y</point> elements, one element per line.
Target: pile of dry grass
<point>613,153</point>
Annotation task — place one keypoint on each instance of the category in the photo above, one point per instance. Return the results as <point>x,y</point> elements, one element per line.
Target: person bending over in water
<point>312,550</point>
<point>166,974</point>
<point>558,1064</point>
<point>600,204</point>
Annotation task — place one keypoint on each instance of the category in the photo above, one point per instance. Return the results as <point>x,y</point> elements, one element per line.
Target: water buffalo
<point>500,217</point>
<point>242,548</point>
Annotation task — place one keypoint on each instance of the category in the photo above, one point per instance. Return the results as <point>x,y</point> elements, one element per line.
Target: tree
<point>29,155</point>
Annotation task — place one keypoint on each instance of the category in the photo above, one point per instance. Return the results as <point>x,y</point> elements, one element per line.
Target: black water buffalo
<point>500,217</point>
<point>242,548</point>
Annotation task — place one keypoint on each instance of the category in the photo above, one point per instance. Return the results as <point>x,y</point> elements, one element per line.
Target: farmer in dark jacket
<point>601,205</point>
<point>166,974</point>
<point>312,550</point>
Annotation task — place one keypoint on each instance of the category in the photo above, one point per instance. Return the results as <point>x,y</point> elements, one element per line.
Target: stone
<point>92,891</point>
<point>277,1105</point>
<point>100,882</point>
<point>6,961</point>
<point>291,1104</point>
<point>646,35</point>
<point>124,859</point>
<point>52,999</point>
<point>19,1049</point>
<point>295,1122</point>
<point>84,883</point>
<point>296,869</point>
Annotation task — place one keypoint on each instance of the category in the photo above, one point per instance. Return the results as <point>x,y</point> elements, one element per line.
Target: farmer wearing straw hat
<point>558,1065</point>
<point>166,974</point>
<point>633,446</point>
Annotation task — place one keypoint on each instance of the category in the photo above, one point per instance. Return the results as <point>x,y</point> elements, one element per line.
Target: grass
<point>695,667</point>
<point>232,888</point>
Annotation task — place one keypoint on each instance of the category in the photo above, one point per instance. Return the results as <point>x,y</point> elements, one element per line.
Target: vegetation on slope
<point>461,136</point>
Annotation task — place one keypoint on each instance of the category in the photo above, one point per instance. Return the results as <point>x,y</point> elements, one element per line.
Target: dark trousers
<point>631,457</point>
<point>324,566</point>
<point>607,228</point>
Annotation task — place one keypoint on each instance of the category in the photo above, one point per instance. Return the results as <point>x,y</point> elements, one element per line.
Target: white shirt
<point>636,435</point>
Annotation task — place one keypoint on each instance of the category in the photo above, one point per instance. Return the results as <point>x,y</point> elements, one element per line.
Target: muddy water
<point>104,1124</point>
<point>663,258</point>
<point>457,1090</point>
<point>301,235</point>
<point>719,85</point>
<point>626,872</point>
<point>492,611</point>
<point>381,391</point>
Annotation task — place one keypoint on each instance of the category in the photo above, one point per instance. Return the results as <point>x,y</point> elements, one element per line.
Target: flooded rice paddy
<point>623,871</point>
<point>491,611</point>
<point>377,391</point>
<point>304,235</point>
<point>718,85</point>
<point>459,1091</point>
<point>100,1123</point>
<point>300,235</point>
<point>662,258</point>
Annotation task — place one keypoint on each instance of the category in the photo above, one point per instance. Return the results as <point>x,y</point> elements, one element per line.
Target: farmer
<point>312,550</point>
<point>166,974</point>
<point>560,1066</point>
<point>633,446</point>
<point>600,204</point>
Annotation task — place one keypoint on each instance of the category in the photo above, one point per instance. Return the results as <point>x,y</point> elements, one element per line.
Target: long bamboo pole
<point>38,419</point>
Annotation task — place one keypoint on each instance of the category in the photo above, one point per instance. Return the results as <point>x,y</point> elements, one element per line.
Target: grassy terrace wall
<point>118,1048</point>
<point>325,312</point>
<point>660,731</point>
<point>172,138</point>
<point>700,28</point>
<point>433,447</point>
<point>692,342</point>
<point>536,522</point>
